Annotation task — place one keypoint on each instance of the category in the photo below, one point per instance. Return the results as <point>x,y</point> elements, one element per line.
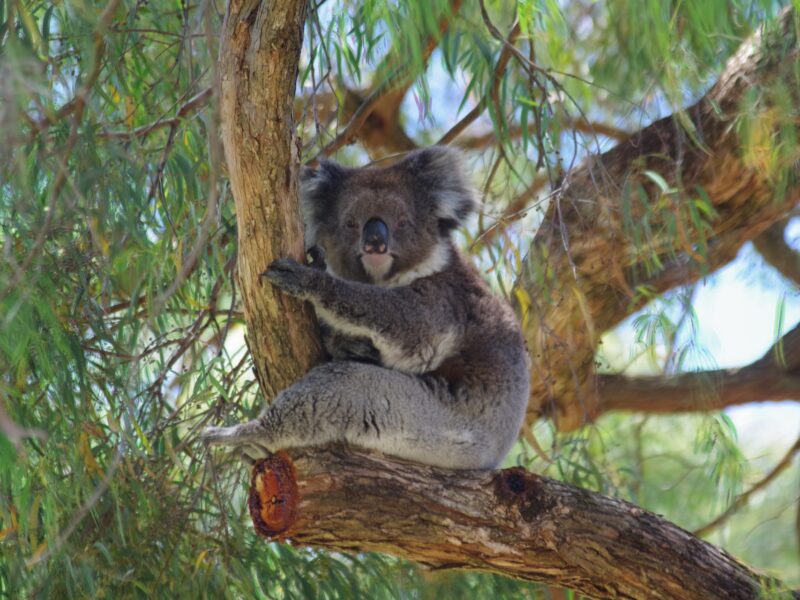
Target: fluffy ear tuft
<point>318,190</point>
<point>439,170</point>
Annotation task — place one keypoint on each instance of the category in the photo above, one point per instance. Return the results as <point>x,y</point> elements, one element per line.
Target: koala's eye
<point>403,223</point>
<point>351,224</point>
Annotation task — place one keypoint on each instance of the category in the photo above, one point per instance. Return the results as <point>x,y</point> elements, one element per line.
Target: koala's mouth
<point>377,265</point>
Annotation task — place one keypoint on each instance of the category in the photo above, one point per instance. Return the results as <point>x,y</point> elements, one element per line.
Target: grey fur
<point>450,383</point>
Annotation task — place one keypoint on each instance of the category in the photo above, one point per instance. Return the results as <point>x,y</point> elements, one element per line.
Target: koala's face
<point>377,230</point>
<point>388,225</point>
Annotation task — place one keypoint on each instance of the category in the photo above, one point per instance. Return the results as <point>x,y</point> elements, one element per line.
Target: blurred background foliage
<point>121,328</point>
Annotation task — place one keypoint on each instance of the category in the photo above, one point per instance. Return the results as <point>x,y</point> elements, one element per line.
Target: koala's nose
<point>376,237</point>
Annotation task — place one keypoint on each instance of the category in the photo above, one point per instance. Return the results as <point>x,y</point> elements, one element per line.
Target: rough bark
<point>259,53</point>
<point>510,522</point>
<point>585,273</point>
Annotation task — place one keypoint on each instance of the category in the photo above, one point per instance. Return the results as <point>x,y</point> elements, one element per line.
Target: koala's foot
<point>246,438</point>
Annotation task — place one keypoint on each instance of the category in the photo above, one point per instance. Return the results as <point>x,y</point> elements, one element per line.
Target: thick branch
<point>695,392</point>
<point>586,264</point>
<point>510,522</point>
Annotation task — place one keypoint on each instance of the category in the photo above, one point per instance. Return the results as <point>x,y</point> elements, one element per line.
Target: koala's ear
<point>439,171</point>
<point>318,190</point>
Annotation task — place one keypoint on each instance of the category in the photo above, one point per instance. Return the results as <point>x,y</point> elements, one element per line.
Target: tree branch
<point>14,433</point>
<point>577,124</point>
<point>510,522</point>
<point>774,376</point>
<point>497,79</point>
<point>694,392</point>
<point>78,102</point>
<point>585,268</point>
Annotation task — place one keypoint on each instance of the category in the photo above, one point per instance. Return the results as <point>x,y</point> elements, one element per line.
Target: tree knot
<point>519,488</point>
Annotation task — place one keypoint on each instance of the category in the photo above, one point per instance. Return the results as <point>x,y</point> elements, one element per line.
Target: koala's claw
<point>288,275</point>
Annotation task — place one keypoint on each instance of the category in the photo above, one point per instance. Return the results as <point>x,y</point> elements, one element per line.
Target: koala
<point>428,365</point>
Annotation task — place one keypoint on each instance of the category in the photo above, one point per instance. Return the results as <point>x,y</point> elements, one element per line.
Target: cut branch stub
<point>511,522</point>
<point>273,495</point>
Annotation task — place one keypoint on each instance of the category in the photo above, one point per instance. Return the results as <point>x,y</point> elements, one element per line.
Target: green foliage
<point>121,325</point>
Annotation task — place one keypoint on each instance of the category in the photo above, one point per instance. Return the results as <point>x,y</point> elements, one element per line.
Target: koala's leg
<point>372,407</point>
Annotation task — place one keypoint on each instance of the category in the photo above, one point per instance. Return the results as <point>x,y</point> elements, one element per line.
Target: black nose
<point>376,237</point>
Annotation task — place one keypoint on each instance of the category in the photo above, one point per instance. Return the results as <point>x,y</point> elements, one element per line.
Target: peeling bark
<point>585,273</point>
<point>259,53</point>
<point>509,522</point>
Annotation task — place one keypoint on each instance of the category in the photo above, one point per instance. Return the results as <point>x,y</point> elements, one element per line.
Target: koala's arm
<point>359,308</point>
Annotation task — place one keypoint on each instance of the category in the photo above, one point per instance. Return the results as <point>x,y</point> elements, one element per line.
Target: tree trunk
<point>510,522</point>
<point>585,271</point>
<point>259,53</point>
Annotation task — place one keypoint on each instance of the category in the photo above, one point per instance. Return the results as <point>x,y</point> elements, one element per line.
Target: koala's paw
<point>290,276</point>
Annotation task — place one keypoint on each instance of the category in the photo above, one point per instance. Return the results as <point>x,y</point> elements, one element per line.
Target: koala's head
<point>387,225</point>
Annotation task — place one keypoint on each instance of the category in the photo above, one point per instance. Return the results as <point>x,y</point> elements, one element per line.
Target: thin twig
<point>193,104</point>
<point>497,77</point>
<point>742,499</point>
<point>77,103</point>
<point>14,433</point>
<point>212,202</point>
<point>81,513</point>
<point>360,116</point>
<point>74,107</point>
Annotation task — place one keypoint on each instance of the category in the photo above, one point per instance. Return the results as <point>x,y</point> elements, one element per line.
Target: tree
<point>113,357</point>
